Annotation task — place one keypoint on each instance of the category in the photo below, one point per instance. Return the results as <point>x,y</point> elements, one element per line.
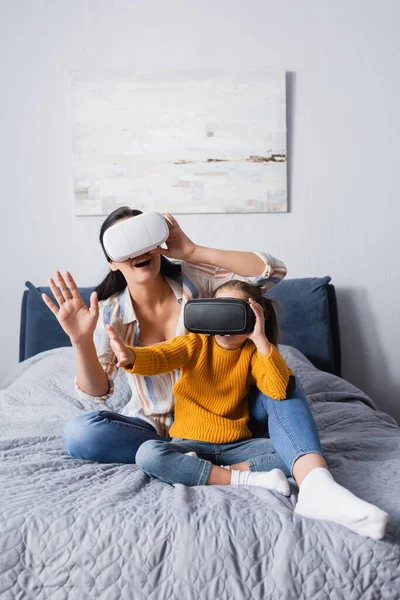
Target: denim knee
<point>80,436</point>
<point>147,454</point>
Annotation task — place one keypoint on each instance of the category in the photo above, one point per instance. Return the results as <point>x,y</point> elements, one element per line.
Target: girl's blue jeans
<point>284,431</point>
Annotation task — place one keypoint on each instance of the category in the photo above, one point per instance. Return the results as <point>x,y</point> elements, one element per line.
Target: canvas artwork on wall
<point>184,142</point>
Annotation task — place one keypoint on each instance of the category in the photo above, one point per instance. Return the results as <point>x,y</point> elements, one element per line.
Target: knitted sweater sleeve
<point>179,352</point>
<point>271,374</point>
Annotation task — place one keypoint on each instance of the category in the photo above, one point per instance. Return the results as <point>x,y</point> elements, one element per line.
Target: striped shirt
<point>152,399</point>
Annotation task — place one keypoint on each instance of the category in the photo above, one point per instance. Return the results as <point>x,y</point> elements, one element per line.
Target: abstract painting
<point>201,141</point>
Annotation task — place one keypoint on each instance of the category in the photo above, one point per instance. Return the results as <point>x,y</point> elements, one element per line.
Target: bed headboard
<point>306,310</point>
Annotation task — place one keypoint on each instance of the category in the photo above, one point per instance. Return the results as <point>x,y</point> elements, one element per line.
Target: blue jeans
<point>167,460</point>
<point>106,436</point>
<point>109,437</point>
<point>289,423</point>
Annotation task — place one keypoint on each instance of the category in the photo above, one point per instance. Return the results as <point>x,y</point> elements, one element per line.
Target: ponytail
<point>169,268</point>
<point>113,282</point>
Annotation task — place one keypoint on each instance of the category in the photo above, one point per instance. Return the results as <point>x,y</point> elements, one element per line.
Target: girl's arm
<point>268,369</point>
<point>271,374</point>
<point>154,360</point>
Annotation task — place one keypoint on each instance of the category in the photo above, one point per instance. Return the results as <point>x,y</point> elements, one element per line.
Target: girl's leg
<point>260,462</point>
<point>291,427</point>
<point>257,454</point>
<point>320,497</point>
<point>106,437</point>
<point>295,436</point>
<point>170,462</point>
<point>273,480</point>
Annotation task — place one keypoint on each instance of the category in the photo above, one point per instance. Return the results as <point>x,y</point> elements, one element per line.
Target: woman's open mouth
<point>143,263</point>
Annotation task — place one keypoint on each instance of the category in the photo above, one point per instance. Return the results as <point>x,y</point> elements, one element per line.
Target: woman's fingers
<point>162,251</point>
<point>54,309</point>
<point>169,223</point>
<point>63,286</point>
<point>72,285</point>
<point>56,292</point>
<point>94,304</point>
<point>171,219</point>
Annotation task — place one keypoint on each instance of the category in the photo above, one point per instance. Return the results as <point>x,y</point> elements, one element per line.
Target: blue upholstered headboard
<point>306,310</point>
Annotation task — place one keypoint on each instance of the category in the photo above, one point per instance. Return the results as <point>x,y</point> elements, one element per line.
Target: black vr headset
<point>219,316</point>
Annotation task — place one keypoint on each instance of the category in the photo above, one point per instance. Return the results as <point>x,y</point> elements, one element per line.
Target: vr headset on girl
<point>214,316</point>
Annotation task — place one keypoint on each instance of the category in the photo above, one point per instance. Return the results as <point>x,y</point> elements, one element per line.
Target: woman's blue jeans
<point>109,437</point>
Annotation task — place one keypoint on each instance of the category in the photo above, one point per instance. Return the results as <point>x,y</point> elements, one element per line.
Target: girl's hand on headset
<point>258,334</point>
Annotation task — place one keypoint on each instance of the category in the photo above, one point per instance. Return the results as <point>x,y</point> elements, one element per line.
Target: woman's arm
<point>91,378</point>
<point>80,322</point>
<point>212,267</point>
<point>246,264</point>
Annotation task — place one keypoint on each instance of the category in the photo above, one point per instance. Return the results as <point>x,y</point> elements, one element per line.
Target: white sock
<point>320,497</point>
<point>274,480</point>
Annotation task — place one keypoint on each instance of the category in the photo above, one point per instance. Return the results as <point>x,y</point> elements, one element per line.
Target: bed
<point>73,529</point>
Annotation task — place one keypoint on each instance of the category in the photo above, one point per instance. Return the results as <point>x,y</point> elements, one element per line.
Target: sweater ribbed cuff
<point>143,360</point>
<point>277,372</point>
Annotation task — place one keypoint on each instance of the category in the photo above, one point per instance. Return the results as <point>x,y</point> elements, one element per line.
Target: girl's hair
<point>254,292</point>
<point>114,281</point>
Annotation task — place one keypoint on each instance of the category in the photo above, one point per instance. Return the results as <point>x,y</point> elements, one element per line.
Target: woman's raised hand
<point>124,355</point>
<point>178,243</point>
<point>77,320</point>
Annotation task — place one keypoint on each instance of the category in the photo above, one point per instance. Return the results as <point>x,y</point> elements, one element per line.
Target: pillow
<point>307,319</point>
<point>40,329</point>
<point>306,311</point>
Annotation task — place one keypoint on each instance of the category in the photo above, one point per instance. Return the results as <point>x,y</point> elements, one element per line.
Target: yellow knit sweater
<point>211,404</point>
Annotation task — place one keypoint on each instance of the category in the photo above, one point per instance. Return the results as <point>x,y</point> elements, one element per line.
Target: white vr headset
<point>135,236</point>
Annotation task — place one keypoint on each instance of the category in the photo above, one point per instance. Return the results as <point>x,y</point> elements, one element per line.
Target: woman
<point>143,300</point>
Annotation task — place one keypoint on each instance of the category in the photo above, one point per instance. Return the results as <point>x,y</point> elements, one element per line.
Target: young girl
<point>211,411</point>
<point>211,415</point>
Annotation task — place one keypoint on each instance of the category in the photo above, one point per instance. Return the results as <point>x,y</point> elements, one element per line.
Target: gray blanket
<point>71,529</point>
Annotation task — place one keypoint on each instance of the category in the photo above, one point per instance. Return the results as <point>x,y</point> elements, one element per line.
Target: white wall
<point>343,60</point>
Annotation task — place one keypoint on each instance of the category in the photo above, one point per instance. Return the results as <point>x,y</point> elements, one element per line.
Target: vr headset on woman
<point>135,236</point>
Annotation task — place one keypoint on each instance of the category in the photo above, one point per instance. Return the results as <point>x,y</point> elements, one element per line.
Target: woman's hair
<point>114,281</point>
<point>254,292</point>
